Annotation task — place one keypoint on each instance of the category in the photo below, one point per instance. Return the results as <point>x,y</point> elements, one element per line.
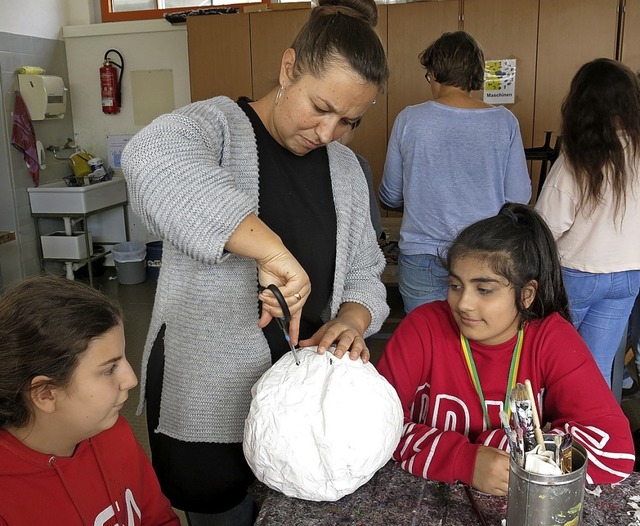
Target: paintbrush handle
<point>534,412</point>
<point>539,437</point>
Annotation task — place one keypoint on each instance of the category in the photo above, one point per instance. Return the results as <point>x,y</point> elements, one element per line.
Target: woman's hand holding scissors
<point>253,239</point>
<point>284,271</point>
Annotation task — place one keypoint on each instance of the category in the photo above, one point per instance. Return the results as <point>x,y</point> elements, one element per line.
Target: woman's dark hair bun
<point>366,8</point>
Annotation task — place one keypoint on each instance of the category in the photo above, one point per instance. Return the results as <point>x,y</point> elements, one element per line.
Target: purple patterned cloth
<point>23,137</point>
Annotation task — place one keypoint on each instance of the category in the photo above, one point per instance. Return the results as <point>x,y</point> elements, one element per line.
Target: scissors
<point>283,322</point>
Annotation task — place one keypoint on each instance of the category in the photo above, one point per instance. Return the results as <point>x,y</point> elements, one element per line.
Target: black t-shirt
<point>296,202</point>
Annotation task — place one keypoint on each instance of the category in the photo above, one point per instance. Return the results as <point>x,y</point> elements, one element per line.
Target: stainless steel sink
<point>58,198</point>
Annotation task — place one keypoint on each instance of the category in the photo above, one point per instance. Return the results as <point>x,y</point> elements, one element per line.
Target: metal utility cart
<point>75,206</point>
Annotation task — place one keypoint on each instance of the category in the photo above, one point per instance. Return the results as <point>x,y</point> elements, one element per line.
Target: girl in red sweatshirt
<point>506,319</point>
<point>66,456</point>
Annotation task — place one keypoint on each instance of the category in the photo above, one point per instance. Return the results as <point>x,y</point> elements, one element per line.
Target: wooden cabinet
<point>411,28</point>
<point>370,139</point>
<point>240,54</point>
<point>571,32</point>
<point>271,34</point>
<point>550,39</point>
<point>505,32</point>
<point>630,38</point>
<point>219,56</point>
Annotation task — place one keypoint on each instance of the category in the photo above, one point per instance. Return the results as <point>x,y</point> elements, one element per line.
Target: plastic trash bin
<point>130,259</point>
<point>154,259</point>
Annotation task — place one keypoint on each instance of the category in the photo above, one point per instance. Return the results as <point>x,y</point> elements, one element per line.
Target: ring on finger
<point>297,296</point>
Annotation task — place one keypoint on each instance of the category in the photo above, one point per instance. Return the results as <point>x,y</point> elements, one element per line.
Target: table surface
<point>394,497</point>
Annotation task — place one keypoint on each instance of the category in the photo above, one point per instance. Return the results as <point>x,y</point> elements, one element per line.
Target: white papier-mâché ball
<point>320,430</point>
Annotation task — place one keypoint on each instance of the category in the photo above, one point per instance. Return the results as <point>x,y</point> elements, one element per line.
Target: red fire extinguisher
<point>111,83</point>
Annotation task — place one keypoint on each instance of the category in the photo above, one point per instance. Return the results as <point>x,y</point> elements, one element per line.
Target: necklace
<point>473,373</point>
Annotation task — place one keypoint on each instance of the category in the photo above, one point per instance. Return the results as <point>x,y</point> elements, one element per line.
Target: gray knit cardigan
<point>192,177</point>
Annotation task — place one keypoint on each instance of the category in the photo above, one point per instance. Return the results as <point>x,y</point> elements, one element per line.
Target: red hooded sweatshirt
<point>108,481</point>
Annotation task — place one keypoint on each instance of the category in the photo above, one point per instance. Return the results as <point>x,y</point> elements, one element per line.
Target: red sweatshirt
<point>444,424</point>
<point>109,481</point>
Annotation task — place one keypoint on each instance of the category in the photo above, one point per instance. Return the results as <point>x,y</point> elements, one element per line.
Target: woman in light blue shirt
<point>450,162</point>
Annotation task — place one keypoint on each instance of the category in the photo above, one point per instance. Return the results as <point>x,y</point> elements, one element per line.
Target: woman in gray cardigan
<point>245,194</point>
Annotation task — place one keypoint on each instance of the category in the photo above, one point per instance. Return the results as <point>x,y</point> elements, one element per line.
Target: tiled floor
<point>137,302</point>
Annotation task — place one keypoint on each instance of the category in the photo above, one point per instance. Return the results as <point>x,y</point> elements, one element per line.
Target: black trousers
<point>201,477</point>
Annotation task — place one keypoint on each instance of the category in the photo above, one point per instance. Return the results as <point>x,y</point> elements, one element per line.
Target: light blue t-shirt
<point>450,167</point>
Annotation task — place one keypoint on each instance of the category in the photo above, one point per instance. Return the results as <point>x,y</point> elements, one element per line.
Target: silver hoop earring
<point>279,94</point>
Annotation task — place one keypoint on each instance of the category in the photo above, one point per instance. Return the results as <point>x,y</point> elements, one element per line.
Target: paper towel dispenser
<point>44,95</point>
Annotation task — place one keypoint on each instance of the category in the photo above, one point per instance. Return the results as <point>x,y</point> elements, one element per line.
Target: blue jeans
<point>600,306</point>
<point>421,279</point>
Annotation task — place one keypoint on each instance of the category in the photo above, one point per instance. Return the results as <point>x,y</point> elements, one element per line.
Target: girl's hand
<point>491,473</point>
<point>346,331</point>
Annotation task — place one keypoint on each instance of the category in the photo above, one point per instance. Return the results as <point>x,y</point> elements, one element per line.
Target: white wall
<point>30,34</point>
<point>41,18</point>
<point>145,45</point>
<point>42,31</point>
<point>37,32</point>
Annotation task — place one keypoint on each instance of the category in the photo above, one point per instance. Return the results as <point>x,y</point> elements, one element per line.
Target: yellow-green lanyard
<point>473,372</point>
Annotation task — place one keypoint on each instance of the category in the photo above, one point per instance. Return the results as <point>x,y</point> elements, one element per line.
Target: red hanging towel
<point>23,137</point>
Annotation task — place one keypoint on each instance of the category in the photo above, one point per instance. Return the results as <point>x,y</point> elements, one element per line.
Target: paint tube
<point>524,412</point>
